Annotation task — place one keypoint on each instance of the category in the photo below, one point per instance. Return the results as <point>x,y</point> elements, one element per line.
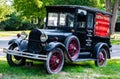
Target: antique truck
<point>71,34</point>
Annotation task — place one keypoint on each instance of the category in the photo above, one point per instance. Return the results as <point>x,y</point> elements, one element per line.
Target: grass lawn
<point>115,38</point>
<point>117,42</point>
<point>10,33</point>
<point>81,70</point>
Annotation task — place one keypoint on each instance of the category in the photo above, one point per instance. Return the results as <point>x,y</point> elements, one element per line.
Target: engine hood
<point>36,34</point>
<point>40,37</point>
<point>55,32</point>
<point>60,34</point>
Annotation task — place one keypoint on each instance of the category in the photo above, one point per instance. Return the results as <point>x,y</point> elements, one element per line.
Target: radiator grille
<point>34,44</point>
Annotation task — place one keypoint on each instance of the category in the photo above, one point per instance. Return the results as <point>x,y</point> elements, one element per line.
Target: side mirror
<point>44,23</point>
<point>45,20</point>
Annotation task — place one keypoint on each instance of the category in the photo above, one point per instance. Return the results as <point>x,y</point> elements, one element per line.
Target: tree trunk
<point>108,4</point>
<point>114,17</point>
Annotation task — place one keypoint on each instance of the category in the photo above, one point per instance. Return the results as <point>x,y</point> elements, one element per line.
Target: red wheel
<point>102,58</point>
<point>55,61</point>
<point>73,47</point>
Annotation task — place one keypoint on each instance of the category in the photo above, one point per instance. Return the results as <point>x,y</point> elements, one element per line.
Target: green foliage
<point>117,28</point>
<point>11,24</point>
<point>28,8</point>
<point>15,23</point>
<point>91,3</point>
<point>5,10</point>
<point>31,9</point>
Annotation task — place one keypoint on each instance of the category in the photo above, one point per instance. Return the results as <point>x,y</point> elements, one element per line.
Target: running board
<point>83,55</point>
<point>87,59</point>
<point>25,54</point>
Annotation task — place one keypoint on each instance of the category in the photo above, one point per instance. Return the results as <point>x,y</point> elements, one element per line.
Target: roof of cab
<point>77,7</point>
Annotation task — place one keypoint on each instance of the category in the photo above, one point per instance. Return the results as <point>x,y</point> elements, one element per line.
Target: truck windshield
<point>60,19</point>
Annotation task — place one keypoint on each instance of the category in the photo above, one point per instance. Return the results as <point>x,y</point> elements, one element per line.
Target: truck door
<point>85,30</point>
<point>89,30</point>
<point>81,29</point>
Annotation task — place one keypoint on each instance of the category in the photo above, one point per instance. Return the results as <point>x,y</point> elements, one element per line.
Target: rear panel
<point>102,25</point>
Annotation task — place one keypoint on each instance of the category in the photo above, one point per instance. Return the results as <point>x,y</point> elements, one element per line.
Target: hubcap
<point>101,58</point>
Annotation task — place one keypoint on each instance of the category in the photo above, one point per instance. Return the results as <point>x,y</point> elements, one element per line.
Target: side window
<point>70,20</point>
<point>62,19</point>
<point>66,19</point>
<point>52,19</point>
<point>81,21</point>
<point>90,20</point>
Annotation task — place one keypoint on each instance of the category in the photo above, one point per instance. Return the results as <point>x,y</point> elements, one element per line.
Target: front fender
<point>52,45</point>
<point>22,44</point>
<point>14,41</point>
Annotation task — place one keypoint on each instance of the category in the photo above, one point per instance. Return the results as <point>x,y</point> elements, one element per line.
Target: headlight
<point>23,35</point>
<point>43,37</point>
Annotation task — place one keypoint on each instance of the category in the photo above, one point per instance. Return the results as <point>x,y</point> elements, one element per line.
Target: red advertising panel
<point>102,25</point>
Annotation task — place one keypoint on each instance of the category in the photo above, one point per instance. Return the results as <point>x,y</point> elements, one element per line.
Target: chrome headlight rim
<point>43,37</point>
<point>23,35</point>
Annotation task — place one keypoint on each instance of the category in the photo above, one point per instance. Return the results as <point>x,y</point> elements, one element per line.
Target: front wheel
<point>55,61</point>
<point>15,60</point>
<point>101,58</point>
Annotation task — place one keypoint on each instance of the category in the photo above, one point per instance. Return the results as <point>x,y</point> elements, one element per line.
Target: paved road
<point>115,51</point>
<point>3,44</point>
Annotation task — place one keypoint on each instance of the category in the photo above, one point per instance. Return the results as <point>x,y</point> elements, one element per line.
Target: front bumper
<point>25,54</point>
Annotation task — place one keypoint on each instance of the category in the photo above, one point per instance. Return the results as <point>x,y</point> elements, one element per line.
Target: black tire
<point>14,60</point>
<point>101,60</point>
<point>73,47</point>
<point>55,61</point>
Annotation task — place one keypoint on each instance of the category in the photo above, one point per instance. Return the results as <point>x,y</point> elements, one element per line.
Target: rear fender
<point>98,46</point>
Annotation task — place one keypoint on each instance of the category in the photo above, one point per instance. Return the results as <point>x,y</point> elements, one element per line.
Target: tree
<point>32,9</point>
<point>91,3</point>
<point>114,11</point>
<point>5,10</point>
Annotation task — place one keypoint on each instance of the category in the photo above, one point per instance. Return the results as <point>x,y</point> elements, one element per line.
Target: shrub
<point>117,28</point>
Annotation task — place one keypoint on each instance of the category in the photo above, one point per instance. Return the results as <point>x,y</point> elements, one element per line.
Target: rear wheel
<point>55,61</point>
<point>15,60</point>
<point>101,58</point>
<point>73,46</point>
